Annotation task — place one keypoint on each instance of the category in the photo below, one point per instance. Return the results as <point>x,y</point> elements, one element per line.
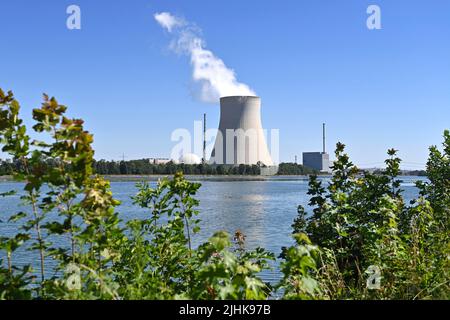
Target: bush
<point>362,225</point>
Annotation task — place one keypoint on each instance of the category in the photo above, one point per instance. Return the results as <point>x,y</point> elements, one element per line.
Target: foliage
<point>294,169</point>
<point>300,269</point>
<point>230,273</point>
<point>360,222</point>
<point>145,167</point>
<point>160,256</point>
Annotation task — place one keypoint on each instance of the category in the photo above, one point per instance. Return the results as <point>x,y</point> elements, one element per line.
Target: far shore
<point>203,177</point>
<point>217,178</point>
<point>156,177</point>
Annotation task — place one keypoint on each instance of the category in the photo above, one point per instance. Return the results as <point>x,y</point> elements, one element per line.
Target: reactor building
<point>240,138</point>
<point>319,161</point>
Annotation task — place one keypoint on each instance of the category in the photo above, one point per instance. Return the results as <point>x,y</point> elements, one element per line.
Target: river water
<point>262,210</point>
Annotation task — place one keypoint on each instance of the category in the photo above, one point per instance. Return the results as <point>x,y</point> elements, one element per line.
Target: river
<point>262,210</point>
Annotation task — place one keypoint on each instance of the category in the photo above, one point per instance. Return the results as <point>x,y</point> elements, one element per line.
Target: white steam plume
<point>168,21</point>
<point>215,79</point>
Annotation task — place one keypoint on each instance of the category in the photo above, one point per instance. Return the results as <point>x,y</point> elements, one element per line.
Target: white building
<point>158,160</point>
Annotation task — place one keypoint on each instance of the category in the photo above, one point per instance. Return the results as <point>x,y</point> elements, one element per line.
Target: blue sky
<point>310,62</point>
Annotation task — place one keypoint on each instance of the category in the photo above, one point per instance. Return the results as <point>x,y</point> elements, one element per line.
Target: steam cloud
<point>215,78</point>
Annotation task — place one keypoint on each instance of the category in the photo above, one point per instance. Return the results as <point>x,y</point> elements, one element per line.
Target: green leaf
<point>17,217</point>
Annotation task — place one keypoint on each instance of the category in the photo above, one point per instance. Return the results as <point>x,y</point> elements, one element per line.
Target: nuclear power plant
<point>319,161</point>
<point>240,138</point>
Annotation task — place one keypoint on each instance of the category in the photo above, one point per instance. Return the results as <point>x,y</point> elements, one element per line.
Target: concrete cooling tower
<point>240,138</point>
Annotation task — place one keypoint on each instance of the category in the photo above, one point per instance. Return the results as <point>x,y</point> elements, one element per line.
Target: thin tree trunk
<point>39,236</point>
<point>37,224</point>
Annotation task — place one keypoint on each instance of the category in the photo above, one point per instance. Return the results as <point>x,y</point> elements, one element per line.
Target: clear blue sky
<point>310,61</point>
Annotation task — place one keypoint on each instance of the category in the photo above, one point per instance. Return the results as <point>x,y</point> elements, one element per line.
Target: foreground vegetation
<point>361,241</point>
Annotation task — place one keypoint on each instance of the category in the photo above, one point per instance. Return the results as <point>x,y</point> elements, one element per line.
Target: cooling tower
<point>240,138</point>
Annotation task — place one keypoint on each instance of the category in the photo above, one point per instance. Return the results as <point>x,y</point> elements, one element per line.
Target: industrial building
<point>159,160</point>
<point>240,138</point>
<point>319,161</point>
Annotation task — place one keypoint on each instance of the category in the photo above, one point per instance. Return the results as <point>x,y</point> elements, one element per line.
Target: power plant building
<point>240,138</point>
<point>319,161</point>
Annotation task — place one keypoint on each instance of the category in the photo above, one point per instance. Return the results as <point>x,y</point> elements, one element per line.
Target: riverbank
<point>218,178</point>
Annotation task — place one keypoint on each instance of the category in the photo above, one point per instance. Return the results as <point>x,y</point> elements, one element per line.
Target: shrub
<point>361,224</point>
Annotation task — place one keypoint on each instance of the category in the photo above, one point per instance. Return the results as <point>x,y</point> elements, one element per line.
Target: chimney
<point>204,138</point>
<point>323,133</point>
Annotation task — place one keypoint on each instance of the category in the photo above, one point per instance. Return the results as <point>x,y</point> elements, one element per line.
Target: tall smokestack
<point>240,139</point>
<point>204,138</point>
<point>323,134</point>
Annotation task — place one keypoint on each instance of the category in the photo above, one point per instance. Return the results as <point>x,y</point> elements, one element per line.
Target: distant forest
<point>287,169</point>
<point>144,167</point>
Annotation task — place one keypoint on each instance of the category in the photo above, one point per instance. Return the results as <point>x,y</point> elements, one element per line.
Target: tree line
<point>145,167</point>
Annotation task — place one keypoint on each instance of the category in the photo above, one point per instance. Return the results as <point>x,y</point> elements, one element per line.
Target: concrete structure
<point>319,161</point>
<point>240,138</point>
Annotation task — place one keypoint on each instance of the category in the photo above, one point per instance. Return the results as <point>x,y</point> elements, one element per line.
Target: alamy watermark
<point>73,281</point>
<point>373,281</point>
<point>229,147</point>
<point>73,21</point>
<point>374,20</point>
